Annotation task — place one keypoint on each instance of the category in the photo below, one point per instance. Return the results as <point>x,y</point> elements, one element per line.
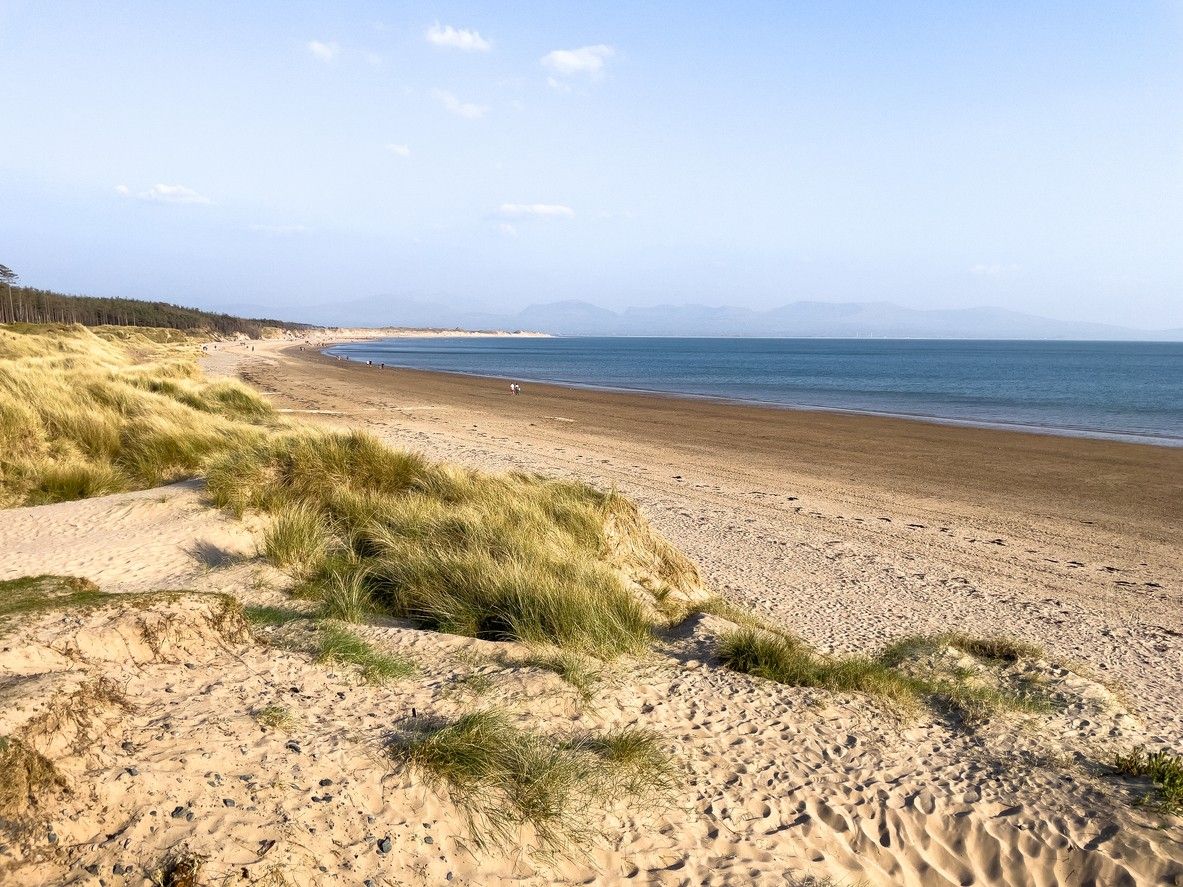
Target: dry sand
<point>850,531</point>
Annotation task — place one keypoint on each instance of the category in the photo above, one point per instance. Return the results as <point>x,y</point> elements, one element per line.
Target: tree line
<point>23,304</point>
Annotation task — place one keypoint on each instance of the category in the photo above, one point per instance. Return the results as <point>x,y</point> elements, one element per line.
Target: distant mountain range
<point>806,319</point>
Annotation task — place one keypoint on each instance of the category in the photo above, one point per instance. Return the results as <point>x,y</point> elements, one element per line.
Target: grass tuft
<point>503,778</point>
<point>640,766</point>
<point>297,540</point>
<point>27,777</point>
<point>581,672</point>
<point>341,646</point>
<point>1163,768</point>
<point>344,595</point>
<point>506,557</point>
<point>276,717</point>
<point>789,661</point>
<point>32,594</point>
<point>181,869</point>
<point>994,649</point>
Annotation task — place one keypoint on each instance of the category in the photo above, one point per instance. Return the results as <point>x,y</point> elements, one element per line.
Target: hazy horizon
<point>285,157</point>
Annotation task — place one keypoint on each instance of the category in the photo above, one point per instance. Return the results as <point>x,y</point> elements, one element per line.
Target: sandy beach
<point>849,531</point>
<point>853,530</point>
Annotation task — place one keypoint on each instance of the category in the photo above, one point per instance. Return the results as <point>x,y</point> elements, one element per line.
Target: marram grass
<point>500,557</point>
<point>82,415</point>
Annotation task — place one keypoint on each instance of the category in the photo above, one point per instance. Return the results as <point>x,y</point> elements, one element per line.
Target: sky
<point>1027,155</point>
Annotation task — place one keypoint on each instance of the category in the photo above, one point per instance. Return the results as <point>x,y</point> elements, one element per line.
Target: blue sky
<point>1027,155</point>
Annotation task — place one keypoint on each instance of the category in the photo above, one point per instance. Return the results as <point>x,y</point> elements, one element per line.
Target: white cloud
<point>535,211</point>
<point>326,52</point>
<point>994,270</point>
<point>462,109</point>
<point>457,38</point>
<point>172,194</point>
<point>122,189</point>
<point>280,230</point>
<point>398,150</point>
<point>587,60</point>
<point>507,229</point>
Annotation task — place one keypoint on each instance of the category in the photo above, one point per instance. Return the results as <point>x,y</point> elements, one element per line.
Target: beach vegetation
<point>85,415</point>
<point>32,594</point>
<point>182,868</point>
<point>28,775</point>
<point>787,660</point>
<point>341,646</point>
<point>499,557</point>
<point>503,778</point>
<point>992,649</point>
<point>276,717</point>
<point>580,671</point>
<point>1163,768</point>
<point>297,540</point>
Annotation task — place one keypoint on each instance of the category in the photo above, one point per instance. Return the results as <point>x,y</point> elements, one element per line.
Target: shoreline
<point>1052,430</point>
<point>855,530</point>
<point>1092,480</point>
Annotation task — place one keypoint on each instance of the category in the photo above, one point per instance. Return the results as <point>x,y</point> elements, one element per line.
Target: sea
<point>1123,390</point>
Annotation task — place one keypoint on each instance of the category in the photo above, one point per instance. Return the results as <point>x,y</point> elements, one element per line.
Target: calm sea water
<point>1126,389</point>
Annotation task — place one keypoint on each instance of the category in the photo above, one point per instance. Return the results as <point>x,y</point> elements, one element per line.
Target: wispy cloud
<point>457,38</point>
<point>166,194</point>
<point>399,150</point>
<point>535,211</point>
<point>508,229</point>
<point>586,61</point>
<point>326,52</point>
<point>467,110</point>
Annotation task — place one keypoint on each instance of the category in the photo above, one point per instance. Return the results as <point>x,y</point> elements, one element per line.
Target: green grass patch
<point>1163,768</point>
<point>276,717</point>
<point>993,649</point>
<point>789,661</point>
<point>338,645</point>
<point>581,672</point>
<point>31,594</point>
<point>503,778</point>
<point>499,557</point>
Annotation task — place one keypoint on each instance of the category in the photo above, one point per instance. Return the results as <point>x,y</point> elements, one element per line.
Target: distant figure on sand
<point>514,388</point>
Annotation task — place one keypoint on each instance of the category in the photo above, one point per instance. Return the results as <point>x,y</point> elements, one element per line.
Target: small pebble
<point>429,840</point>
<point>325,782</point>
<point>384,845</point>
<point>228,802</point>
<point>133,771</point>
<point>178,812</point>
